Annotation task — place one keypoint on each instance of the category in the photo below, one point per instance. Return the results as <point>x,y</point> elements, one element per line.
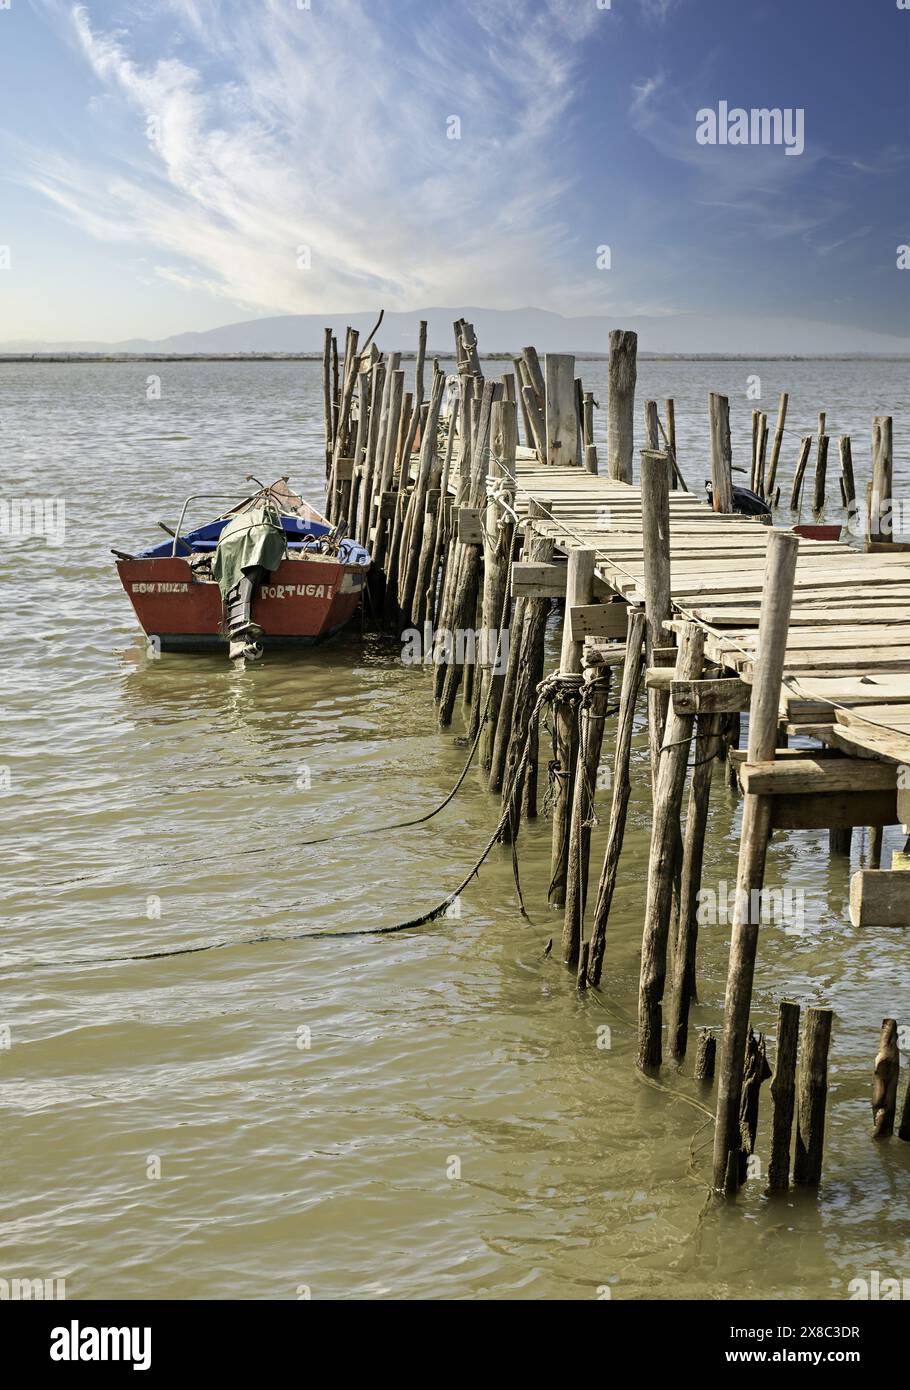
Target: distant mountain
<point>508,330</point>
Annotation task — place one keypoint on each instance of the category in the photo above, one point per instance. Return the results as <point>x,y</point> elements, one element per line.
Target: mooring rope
<point>353,833</point>
<point>432,915</point>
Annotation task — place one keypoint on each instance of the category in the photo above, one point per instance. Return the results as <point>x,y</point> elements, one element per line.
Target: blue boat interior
<point>206,538</point>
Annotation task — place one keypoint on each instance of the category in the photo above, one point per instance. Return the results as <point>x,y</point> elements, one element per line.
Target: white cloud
<point>278,128</point>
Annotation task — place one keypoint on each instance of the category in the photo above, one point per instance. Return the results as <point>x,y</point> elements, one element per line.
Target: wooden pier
<point>714,613</point>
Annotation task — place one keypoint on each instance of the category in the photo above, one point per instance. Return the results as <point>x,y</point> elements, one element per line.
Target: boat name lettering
<point>160,588</point>
<point>296,590</point>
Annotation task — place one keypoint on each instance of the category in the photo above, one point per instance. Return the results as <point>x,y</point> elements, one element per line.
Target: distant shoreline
<point>113,358</point>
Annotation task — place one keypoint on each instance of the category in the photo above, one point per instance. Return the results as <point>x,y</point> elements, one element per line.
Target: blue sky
<point>161,165</point>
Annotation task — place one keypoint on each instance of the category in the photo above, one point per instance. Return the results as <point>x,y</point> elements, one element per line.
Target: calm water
<point>167,1132</point>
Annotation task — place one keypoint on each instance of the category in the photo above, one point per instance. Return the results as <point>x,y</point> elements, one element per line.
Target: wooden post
<point>595,694</point>
<point>671,776</point>
<point>774,621</point>
<point>537,509</point>
<point>418,388</point>
<point>562,418</point>
<point>655,521</point>
<point>622,374</point>
<point>622,786</point>
<point>368,488</point>
<point>463,610</point>
<point>327,406</point>
<point>705,1056</point>
<point>497,549</point>
<point>904,1131</point>
<point>579,592</point>
<point>874,852</point>
<point>885,1075</point>
<point>805,446</point>
<point>881,527</point>
<point>760,459</point>
<point>812,1097</point>
<point>821,468</point>
<point>846,472</point>
<point>840,840</point>
<point>754,483</point>
<point>721,453</point>
<point>707,739</point>
<point>410,559</point>
<point>778,441</point>
<point>755,1072</point>
<point>670,439</point>
<point>652,430</point>
<point>783,1095</point>
<point>514,728</point>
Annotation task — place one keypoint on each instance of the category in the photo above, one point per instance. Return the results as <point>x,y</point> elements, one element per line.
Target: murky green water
<point>426,1115</point>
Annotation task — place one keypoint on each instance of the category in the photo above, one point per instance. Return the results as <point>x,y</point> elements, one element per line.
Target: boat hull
<point>304,602</point>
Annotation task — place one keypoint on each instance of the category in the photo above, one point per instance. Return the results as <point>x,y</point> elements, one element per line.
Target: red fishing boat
<point>269,572</point>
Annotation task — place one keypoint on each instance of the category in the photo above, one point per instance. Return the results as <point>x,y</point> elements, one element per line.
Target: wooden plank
<point>804,775</point>
<point>880,898</point>
<point>599,620</point>
<point>538,581</point>
<point>470,530</point>
<point>724,696</point>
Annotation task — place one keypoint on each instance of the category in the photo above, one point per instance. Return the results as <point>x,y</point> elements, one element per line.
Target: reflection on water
<point>307,1099</point>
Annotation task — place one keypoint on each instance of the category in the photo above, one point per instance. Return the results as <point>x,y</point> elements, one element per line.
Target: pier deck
<point>848,651</point>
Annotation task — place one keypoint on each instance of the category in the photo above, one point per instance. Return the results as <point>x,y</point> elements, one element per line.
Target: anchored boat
<point>269,572</point>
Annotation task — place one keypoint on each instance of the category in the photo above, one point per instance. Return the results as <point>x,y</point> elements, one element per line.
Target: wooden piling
<point>595,694</point>
<point>622,373</point>
<point>780,570</point>
<point>755,1073</point>
<point>622,786</point>
<point>812,1098</point>
<point>885,1075</point>
<point>821,468</point>
<point>515,717</point>
<point>783,1095</point>
<point>846,471</point>
<point>561,412</point>
<point>881,528</point>
<point>579,592</point>
<point>705,1056</point>
<point>652,429</point>
<point>805,446</point>
<point>778,441</point>
<point>497,549</point>
<point>655,520</point>
<point>721,453</point>
<point>669,783</point>
<point>327,406</point>
<point>670,440</point>
<point>706,741</point>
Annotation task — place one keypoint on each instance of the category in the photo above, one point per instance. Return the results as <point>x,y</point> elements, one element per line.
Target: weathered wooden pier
<point>482,502</point>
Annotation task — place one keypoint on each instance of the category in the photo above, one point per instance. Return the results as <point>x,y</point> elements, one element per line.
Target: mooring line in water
<point>543,693</point>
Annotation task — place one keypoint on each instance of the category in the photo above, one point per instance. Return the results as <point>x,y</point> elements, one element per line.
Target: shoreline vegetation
<point>120,357</point>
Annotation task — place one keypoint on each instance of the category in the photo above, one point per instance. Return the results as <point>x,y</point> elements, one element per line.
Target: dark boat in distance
<point>269,572</point>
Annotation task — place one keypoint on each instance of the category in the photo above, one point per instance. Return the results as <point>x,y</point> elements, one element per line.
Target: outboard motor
<point>243,633</point>
<point>746,502</point>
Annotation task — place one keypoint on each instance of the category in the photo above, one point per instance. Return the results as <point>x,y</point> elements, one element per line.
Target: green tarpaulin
<point>249,539</point>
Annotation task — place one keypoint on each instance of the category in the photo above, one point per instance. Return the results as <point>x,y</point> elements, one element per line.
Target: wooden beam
<point>599,620</point>
<point>802,776</point>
